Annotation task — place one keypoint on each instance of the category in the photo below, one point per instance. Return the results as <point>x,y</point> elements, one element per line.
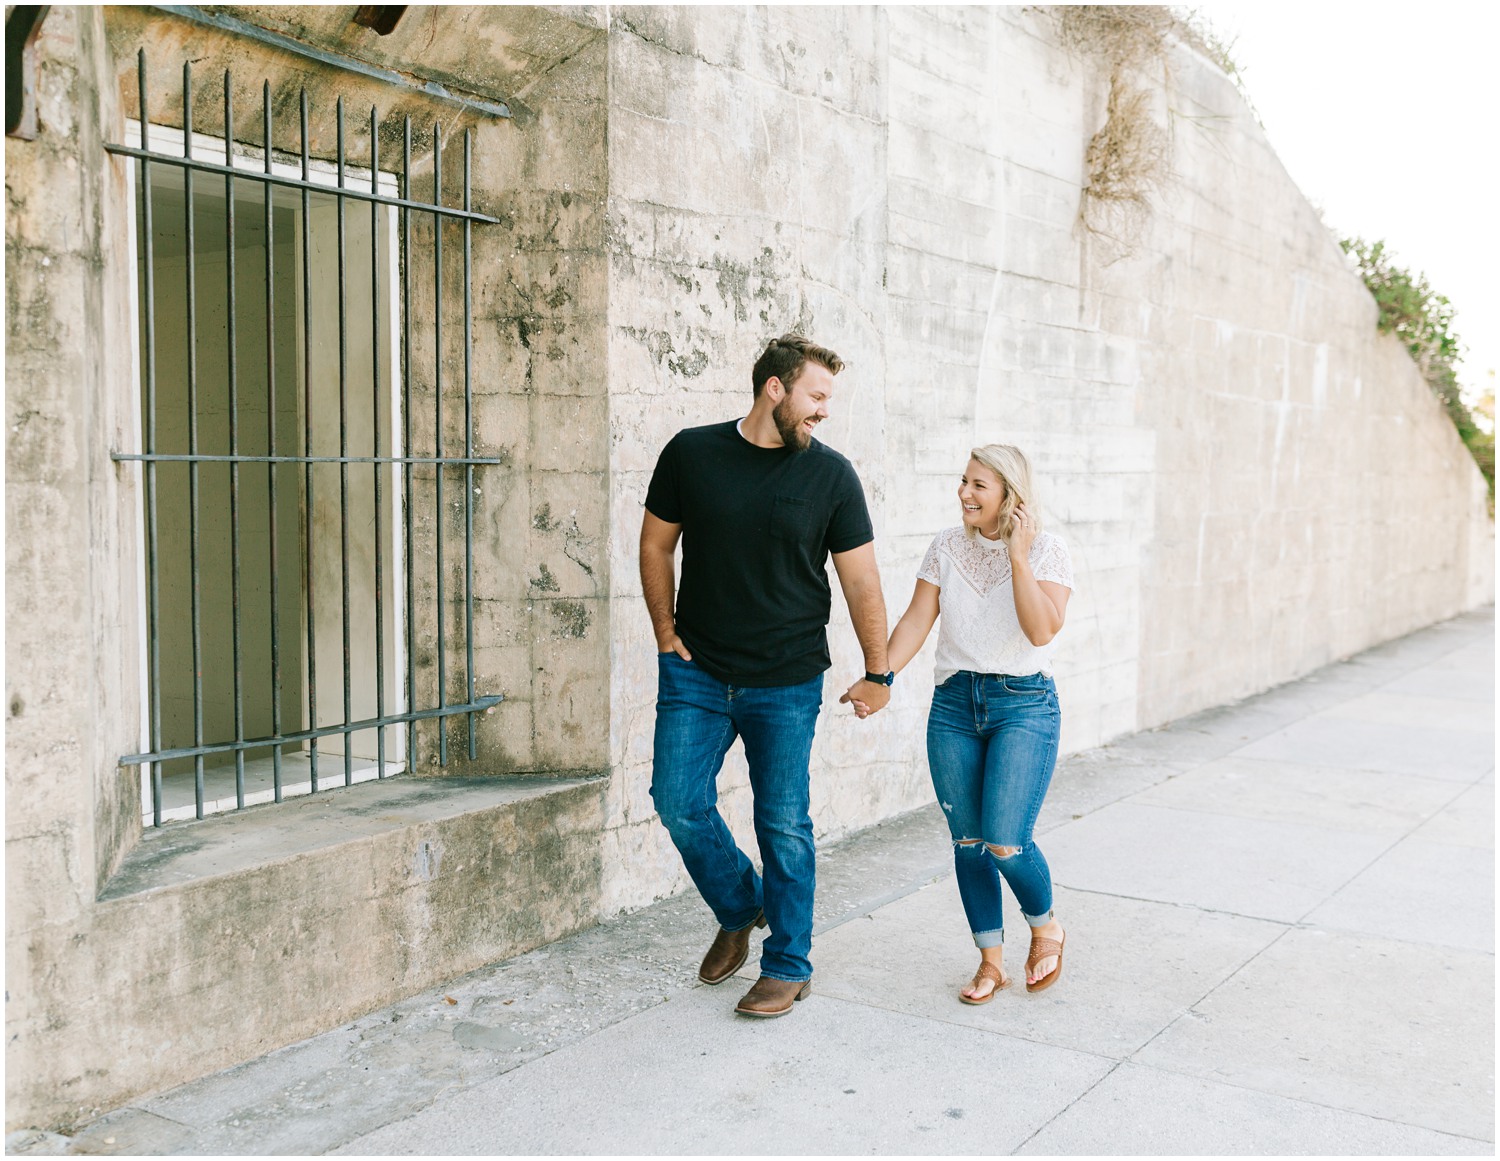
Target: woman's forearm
<point>906,641</point>
<point>911,631</point>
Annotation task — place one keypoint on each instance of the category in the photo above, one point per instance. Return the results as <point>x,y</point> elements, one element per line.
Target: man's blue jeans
<point>697,719</point>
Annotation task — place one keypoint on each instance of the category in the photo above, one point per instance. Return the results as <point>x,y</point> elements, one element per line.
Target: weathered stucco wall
<point>69,815</point>
<point>110,995</point>
<point>1221,436</point>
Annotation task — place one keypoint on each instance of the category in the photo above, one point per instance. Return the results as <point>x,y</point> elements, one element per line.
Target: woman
<point>1002,587</point>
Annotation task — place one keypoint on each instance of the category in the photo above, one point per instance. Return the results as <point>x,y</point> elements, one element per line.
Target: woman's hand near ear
<point>1022,533</point>
<point>1040,605</point>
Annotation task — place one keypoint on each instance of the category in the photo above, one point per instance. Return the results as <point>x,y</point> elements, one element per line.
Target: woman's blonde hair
<point>1014,469</point>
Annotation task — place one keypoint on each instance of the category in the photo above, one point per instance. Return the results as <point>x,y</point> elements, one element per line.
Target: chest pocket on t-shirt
<point>792,518</point>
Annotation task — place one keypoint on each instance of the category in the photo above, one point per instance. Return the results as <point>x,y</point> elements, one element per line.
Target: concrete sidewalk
<point>1281,940</point>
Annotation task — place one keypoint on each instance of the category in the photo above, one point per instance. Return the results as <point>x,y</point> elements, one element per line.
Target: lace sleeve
<point>1050,560</point>
<point>931,564</point>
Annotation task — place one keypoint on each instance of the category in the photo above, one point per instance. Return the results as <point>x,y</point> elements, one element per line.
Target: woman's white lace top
<point>978,629</point>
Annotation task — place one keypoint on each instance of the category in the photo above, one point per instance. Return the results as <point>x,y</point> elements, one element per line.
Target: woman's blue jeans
<point>698,718</point>
<point>991,747</point>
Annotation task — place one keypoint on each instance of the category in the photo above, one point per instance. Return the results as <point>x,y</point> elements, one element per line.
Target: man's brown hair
<point>784,359</point>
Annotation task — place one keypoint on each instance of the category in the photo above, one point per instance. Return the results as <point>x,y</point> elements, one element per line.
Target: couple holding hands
<point>759,507</point>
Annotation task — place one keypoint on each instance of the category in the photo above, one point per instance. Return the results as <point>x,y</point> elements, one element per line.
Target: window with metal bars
<point>280,472</point>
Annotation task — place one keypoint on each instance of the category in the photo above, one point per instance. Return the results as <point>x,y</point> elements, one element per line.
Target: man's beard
<point>792,432</point>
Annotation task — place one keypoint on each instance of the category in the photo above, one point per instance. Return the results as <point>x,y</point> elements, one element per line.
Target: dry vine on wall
<point>1130,158</point>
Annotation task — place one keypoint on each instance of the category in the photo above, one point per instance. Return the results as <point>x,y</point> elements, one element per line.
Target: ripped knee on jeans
<point>967,842</point>
<point>1003,852</point>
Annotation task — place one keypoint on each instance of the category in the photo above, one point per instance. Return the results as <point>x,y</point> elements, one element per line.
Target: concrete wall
<point>1292,441</point>
<point>107,993</point>
<point>1222,437</point>
<point>69,814</point>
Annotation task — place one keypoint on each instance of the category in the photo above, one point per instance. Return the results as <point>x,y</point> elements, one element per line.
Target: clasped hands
<point>867,697</point>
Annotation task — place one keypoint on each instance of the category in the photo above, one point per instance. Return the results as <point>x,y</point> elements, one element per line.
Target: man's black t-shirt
<point>757,527</point>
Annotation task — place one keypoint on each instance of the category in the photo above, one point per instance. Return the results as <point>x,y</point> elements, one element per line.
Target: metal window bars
<point>153,459</point>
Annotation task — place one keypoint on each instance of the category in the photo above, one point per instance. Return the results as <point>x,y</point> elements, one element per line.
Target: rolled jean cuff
<point>1038,920</point>
<point>983,939</point>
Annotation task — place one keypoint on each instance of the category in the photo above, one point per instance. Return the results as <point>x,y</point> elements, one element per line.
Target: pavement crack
<point>1310,1103</point>
<point>1463,788</point>
<point>925,879</point>
<point>1190,1008</point>
<point>1063,1111</point>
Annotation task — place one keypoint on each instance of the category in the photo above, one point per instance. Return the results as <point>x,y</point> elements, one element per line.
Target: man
<point>759,505</point>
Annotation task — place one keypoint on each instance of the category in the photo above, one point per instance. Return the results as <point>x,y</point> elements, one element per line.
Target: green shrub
<point>1423,321</point>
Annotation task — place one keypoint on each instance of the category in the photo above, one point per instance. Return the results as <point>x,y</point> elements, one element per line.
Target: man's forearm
<point>659,583</point>
<point>867,611</point>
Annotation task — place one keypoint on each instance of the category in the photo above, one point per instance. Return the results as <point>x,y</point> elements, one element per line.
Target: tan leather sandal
<point>1042,948</point>
<point>987,971</point>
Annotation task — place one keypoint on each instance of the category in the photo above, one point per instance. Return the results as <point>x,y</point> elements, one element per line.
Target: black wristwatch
<point>881,678</point>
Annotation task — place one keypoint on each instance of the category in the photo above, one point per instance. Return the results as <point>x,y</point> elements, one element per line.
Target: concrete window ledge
<point>220,940</point>
<point>307,827</point>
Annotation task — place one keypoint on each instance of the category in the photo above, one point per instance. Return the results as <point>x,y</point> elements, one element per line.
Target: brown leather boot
<point>770,997</point>
<point>728,953</point>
